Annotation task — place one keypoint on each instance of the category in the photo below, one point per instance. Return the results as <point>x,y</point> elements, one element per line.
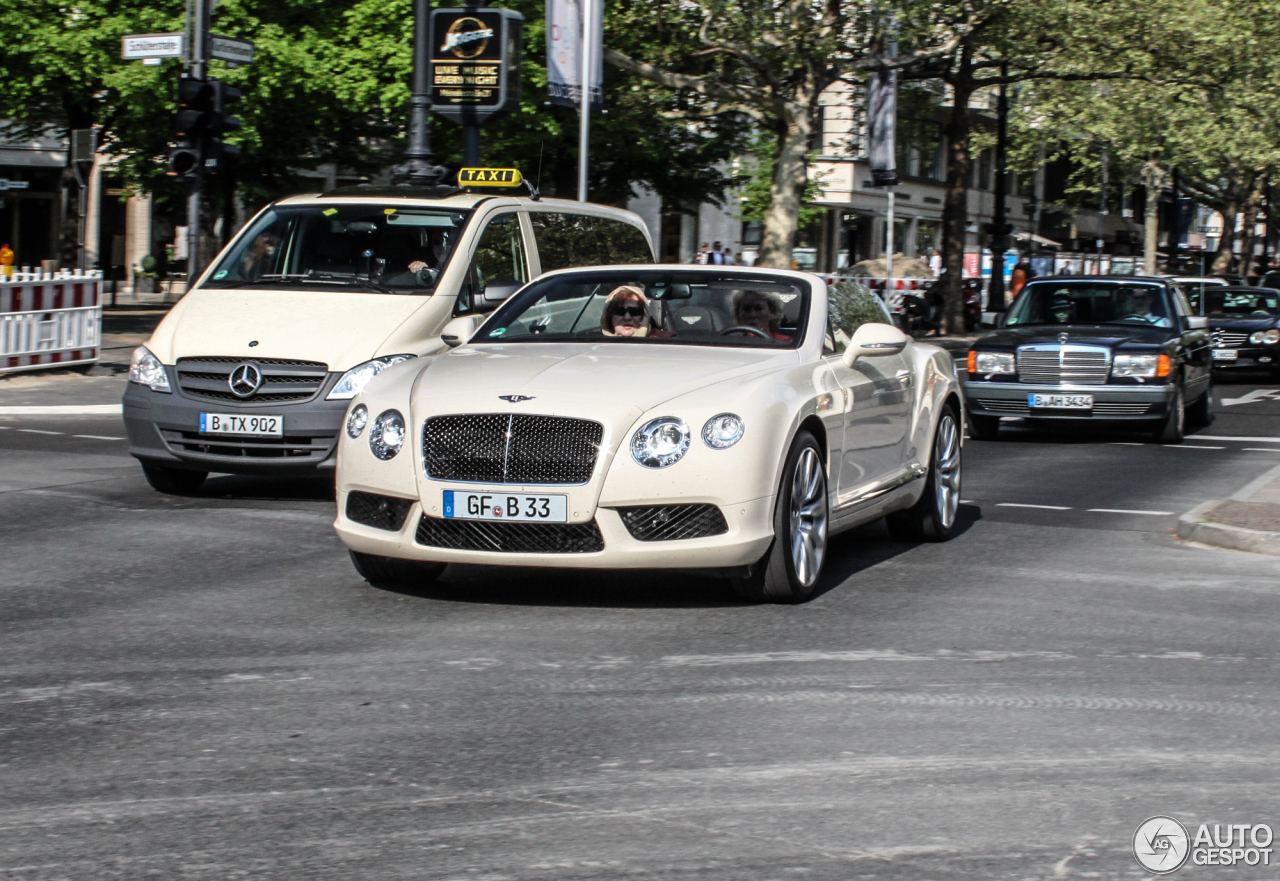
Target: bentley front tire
<point>174,481</point>
<point>933,517</point>
<point>395,573</point>
<point>789,572</point>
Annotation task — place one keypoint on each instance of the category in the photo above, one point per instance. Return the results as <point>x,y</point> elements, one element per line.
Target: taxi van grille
<point>206,378</point>
<point>673,522</point>
<point>510,448</point>
<point>510,538</point>
<point>1058,365</point>
<point>380,512</point>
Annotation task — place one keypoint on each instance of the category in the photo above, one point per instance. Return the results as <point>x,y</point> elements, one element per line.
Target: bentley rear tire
<point>395,573</point>
<point>933,517</point>
<point>789,571</point>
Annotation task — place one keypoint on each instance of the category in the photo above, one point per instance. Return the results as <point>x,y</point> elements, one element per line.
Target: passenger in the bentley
<point>761,310</point>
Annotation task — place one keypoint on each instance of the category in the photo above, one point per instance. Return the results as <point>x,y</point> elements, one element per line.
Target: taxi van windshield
<point>1056,302</point>
<point>361,248</point>
<point>660,307</point>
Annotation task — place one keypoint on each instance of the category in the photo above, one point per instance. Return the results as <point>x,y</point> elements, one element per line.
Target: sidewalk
<point>1248,521</point>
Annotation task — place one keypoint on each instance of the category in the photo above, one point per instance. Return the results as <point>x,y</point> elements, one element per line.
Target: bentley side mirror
<point>874,340</point>
<point>458,331</point>
<point>493,294</point>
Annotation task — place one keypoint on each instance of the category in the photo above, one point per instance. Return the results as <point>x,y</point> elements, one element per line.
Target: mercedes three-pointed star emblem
<point>1063,337</point>
<point>245,379</point>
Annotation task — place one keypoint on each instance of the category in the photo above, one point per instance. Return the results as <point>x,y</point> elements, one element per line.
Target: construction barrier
<point>891,294</point>
<point>49,319</point>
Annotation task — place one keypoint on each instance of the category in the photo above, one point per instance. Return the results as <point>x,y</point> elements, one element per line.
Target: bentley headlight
<point>355,379</point>
<point>993,362</point>
<point>146,369</point>
<point>1271,337</point>
<point>660,442</point>
<point>1257,337</point>
<point>357,420</point>
<point>1134,365</point>
<point>723,431</point>
<point>386,437</point>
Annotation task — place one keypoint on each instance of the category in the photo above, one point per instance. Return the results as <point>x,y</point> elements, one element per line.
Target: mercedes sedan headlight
<point>1257,337</point>
<point>660,442</point>
<point>723,431</point>
<point>1271,337</point>
<point>386,437</point>
<point>146,369</point>
<point>355,379</point>
<point>993,362</point>
<point>1134,365</point>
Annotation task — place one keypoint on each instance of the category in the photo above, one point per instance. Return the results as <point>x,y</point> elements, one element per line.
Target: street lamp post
<point>1000,228</point>
<point>419,169</point>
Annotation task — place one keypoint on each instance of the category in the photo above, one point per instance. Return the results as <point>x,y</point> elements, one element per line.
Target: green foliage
<point>757,182</point>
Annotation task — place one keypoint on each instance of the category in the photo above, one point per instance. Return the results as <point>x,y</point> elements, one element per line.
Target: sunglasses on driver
<point>629,311</point>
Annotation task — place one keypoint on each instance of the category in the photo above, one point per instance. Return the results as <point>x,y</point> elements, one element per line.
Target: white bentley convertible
<point>654,417</point>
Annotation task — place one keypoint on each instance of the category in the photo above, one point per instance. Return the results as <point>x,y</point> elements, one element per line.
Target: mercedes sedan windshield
<point>360,247</point>
<point>650,307</point>
<point>1092,302</point>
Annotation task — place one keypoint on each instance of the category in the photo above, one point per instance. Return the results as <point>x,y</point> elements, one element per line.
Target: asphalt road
<point>202,688</point>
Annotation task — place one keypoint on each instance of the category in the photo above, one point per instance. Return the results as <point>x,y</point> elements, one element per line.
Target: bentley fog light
<point>386,436</point>
<point>992,362</point>
<point>357,420</point>
<point>355,379</point>
<point>1134,365</point>
<point>660,442</point>
<point>723,431</point>
<point>1271,337</point>
<point>1256,337</point>
<point>146,369</point>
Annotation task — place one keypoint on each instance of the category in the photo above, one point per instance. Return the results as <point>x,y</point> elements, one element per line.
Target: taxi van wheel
<point>933,518</point>
<point>396,573</point>
<point>1201,412</point>
<point>1170,429</point>
<point>174,481</point>
<point>984,427</point>
<point>789,571</point>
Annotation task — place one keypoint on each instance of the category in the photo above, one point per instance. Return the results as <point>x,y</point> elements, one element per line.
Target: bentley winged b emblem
<point>515,399</point>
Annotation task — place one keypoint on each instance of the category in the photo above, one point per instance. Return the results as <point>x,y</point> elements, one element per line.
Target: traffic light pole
<point>199,70</point>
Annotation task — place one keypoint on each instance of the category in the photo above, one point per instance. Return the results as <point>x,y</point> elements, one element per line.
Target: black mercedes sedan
<point>1244,326</point>
<point>1072,349</point>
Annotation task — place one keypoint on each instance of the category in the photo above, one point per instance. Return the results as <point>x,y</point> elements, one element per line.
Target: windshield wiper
<point>326,277</point>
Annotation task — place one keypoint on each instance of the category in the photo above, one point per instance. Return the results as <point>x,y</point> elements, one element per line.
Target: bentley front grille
<point>282,381</point>
<point>673,522</point>
<point>380,512</point>
<point>1064,365</point>
<point>510,538</point>
<point>509,448</point>
<point>1221,339</point>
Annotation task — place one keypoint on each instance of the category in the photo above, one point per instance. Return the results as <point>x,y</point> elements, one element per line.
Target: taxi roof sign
<point>489,177</point>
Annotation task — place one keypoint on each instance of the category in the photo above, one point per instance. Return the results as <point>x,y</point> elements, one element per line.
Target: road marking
<point>1042,507</point>
<point>1257,440</point>
<point>1260,394</point>
<point>1124,444</point>
<point>1191,447</point>
<point>1127,511</point>
<point>64,410</point>
<point>38,431</point>
<point>96,437</point>
<point>1261,449</point>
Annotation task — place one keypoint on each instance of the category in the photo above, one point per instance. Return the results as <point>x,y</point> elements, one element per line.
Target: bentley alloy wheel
<point>789,572</point>
<point>933,517</point>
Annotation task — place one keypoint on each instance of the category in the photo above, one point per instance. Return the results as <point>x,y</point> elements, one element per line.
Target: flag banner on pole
<point>564,54</point>
<point>882,115</point>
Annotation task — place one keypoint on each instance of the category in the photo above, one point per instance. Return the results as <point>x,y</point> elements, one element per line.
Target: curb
<point>1193,526</point>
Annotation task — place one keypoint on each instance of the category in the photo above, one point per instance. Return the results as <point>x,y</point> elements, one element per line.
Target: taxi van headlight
<point>356,422</point>
<point>1271,337</point>
<point>386,436</point>
<point>146,369</point>
<point>1135,365</point>
<point>993,362</point>
<point>660,442</point>
<point>723,431</point>
<point>354,380</point>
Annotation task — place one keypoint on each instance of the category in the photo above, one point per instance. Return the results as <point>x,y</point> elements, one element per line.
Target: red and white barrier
<point>49,319</point>
<point>891,294</point>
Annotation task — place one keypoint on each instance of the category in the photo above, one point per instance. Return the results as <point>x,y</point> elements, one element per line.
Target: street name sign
<point>474,56</point>
<point>231,49</point>
<point>144,46</point>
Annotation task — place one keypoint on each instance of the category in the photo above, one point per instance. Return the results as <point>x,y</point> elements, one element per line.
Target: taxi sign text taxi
<point>489,177</point>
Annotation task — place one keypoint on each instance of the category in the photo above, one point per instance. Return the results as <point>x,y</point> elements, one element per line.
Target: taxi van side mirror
<point>493,294</point>
<point>458,331</point>
<point>874,340</point>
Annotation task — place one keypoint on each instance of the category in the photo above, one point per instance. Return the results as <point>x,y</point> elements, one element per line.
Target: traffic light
<point>197,104</point>
<point>184,159</point>
<point>223,97</point>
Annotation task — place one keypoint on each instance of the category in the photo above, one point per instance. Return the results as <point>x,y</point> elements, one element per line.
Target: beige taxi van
<point>253,370</point>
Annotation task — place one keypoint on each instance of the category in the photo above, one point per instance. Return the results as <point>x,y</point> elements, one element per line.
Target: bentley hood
<point>338,328</point>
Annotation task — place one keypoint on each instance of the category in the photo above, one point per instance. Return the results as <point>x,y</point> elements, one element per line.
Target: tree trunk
<point>782,220</point>
<point>955,208</point>
<point>1153,177</point>
<point>1252,206</point>
<point>1229,208</point>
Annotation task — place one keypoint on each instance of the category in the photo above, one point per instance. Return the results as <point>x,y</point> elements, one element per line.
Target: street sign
<point>144,46</point>
<point>6,184</point>
<point>231,49</point>
<point>475,63</point>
